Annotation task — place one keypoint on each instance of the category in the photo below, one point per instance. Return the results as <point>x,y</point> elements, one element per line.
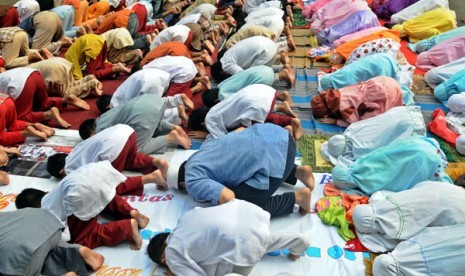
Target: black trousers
<point>279,204</point>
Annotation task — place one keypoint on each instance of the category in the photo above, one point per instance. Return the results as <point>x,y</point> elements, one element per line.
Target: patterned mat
<point>309,146</point>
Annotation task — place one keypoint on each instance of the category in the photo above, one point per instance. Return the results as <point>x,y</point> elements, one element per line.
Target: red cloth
<point>439,127</point>
<point>132,186</point>
<point>131,159</point>
<point>10,19</point>
<point>92,234</point>
<point>279,119</point>
<point>34,100</point>
<point>141,13</point>
<point>179,88</point>
<point>98,66</point>
<point>10,126</point>
<point>2,62</point>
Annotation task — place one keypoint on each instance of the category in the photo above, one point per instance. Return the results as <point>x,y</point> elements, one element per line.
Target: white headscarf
<point>12,81</point>
<point>118,38</point>
<point>393,217</point>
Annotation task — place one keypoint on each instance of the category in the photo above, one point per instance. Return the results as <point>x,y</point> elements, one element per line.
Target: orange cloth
<point>347,48</point>
<point>97,9</point>
<point>122,18</point>
<point>74,3</point>
<point>348,201</point>
<point>173,48</point>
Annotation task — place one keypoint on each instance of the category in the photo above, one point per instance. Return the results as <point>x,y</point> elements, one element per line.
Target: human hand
<point>197,134</point>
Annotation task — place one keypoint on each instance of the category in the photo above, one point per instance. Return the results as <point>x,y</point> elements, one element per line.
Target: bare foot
<point>97,86</point>
<point>188,103</point>
<point>284,58</point>
<point>149,39</point>
<point>197,88</point>
<point>201,69</point>
<point>70,274</point>
<point>302,198</point>
<point>93,259</point>
<point>288,67</point>
<point>290,13</point>
<point>54,114</point>
<point>74,100</point>
<point>230,20</point>
<point>141,219</point>
<point>224,28</point>
<point>4,178</point>
<point>46,53</point>
<point>32,131</point>
<point>286,97</point>
<point>182,113</point>
<point>290,130</point>
<point>296,128</point>
<point>209,46</point>
<point>206,58</point>
<point>162,165</point>
<point>290,43</point>
<point>287,29</point>
<point>156,177</point>
<point>136,242</point>
<point>287,76</point>
<point>286,109</point>
<point>178,137</point>
<point>66,41</point>
<point>81,31</point>
<point>45,129</point>
<point>119,67</point>
<point>305,175</point>
<point>34,56</point>
<point>205,80</point>
<point>88,29</point>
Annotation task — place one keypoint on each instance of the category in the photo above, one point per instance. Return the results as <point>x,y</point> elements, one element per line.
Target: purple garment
<point>393,6</point>
<point>357,22</point>
<point>441,54</point>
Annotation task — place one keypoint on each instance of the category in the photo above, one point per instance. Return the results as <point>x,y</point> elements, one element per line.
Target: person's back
<point>143,112</point>
<point>218,242</point>
<point>181,69</point>
<point>258,153</point>
<point>147,81</point>
<point>251,104</point>
<point>105,145</point>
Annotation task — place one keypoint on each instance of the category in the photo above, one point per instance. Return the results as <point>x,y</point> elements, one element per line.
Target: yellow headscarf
<point>84,49</point>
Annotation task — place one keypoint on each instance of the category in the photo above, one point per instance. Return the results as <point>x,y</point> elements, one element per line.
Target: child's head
<point>56,165</point>
<point>319,107</point>
<point>156,248</point>
<point>29,198</point>
<point>87,129</point>
<point>210,97</point>
<point>103,103</point>
<point>197,119</point>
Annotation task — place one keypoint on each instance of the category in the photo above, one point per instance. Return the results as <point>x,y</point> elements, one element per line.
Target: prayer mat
<point>310,148</point>
<point>451,153</point>
<point>299,21</point>
<point>420,87</point>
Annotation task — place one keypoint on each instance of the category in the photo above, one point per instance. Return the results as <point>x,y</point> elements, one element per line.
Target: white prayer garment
<point>231,237</point>
<point>364,136</point>
<point>12,81</point>
<point>252,51</point>
<point>181,69</point>
<point>84,193</point>
<point>418,9</point>
<point>148,81</point>
<point>174,33</point>
<point>390,217</point>
<point>105,145</point>
<point>251,104</point>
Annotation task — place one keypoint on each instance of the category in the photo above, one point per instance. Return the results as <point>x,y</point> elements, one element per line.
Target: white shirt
<point>174,33</point>
<point>105,145</point>
<point>252,51</point>
<point>147,81</point>
<point>12,81</point>
<point>214,240</point>
<point>181,69</point>
<point>78,193</point>
<point>250,104</point>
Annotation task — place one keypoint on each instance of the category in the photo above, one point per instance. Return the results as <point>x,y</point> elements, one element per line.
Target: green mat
<point>451,153</point>
<point>309,146</point>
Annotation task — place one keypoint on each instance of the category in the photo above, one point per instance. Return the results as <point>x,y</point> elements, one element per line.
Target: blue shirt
<point>251,156</point>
